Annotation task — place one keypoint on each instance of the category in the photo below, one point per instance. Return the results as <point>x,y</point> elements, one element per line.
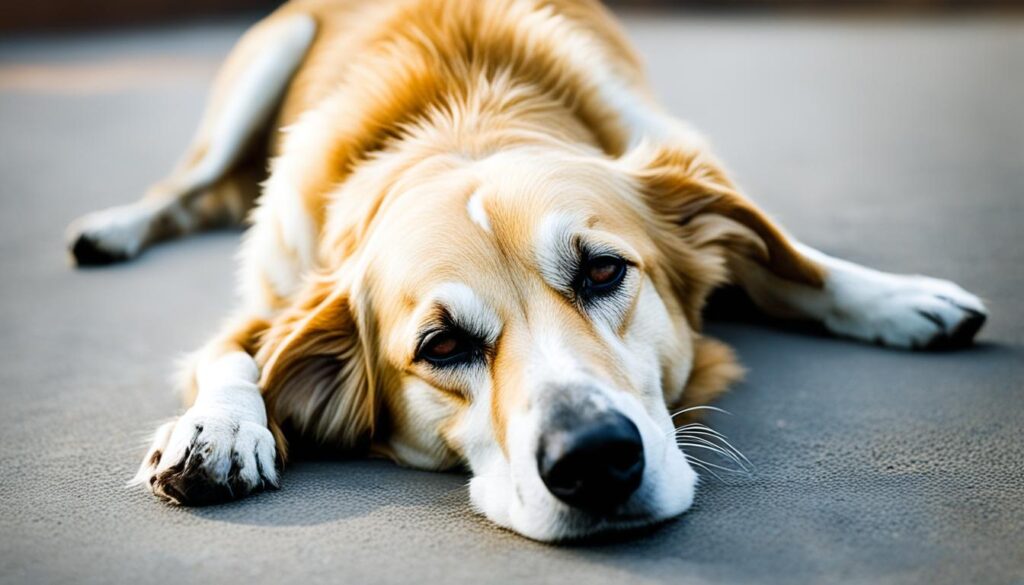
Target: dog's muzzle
<point>592,461</point>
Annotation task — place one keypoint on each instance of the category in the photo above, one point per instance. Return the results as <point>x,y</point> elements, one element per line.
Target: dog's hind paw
<point>110,235</point>
<point>914,312</point>
<point>200,460</point>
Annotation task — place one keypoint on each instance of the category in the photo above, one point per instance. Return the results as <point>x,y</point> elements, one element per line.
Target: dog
<point>476,240</point>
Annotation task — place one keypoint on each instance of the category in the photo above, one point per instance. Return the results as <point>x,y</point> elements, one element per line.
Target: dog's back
<point>381,65</point>
<point>411,44</point>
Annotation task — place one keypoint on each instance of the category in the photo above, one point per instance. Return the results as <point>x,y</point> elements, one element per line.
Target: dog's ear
<point>706,228</point>
<point>315,373</point>
<point>715,368</point>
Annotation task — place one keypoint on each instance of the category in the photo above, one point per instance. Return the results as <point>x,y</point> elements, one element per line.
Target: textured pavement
<point>895,144</point>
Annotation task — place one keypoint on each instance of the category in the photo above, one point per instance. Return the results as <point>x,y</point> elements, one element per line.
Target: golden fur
<point>444,153</point>
<point>429,77</point>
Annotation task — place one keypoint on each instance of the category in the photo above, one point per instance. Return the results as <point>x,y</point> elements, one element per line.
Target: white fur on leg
<point>897,310</point>
<point>220,448</point>
<point>119,231</point>
<point>254,97</point>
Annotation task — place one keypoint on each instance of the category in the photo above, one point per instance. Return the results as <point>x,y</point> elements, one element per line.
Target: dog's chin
<point>576,526</point>
<point>666,493</point>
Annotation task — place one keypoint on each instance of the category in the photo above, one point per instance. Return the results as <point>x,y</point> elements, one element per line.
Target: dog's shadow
<point>315,491</point>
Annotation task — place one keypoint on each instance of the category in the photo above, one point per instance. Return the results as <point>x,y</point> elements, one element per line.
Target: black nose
<point>593,464</point>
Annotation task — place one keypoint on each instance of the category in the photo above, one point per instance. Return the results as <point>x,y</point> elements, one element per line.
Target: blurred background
<point>72,14</point>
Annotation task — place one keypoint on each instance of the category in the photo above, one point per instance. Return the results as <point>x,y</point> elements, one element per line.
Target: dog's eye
<point>602,274</point>
<point>447,347</point>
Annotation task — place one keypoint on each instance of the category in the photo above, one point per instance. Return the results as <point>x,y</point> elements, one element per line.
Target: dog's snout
<point>593,464</point>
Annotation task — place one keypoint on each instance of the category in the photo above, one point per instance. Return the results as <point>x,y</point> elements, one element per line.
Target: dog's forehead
<point>481,223</point>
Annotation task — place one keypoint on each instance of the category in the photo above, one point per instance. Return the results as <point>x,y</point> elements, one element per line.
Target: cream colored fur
<point>450,165</point>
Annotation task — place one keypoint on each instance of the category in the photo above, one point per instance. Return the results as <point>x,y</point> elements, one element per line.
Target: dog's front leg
<point>222,447</point>
<point>908,311</point>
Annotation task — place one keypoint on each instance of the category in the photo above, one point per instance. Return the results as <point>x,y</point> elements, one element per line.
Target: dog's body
<point>480,242</point>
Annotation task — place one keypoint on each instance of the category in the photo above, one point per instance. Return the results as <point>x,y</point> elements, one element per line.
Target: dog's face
<point>519,313</point>
<point>515,298</point>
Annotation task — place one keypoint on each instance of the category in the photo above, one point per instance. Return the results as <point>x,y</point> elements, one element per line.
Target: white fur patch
<point>476,211</point>
<point>227,387</point>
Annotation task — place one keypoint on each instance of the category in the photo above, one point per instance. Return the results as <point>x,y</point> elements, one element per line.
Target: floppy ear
<point>316,378</point>
<point>707,226</point>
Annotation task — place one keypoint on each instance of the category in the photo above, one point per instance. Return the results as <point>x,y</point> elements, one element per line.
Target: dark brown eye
<point>447,347</point>
<point>602,274</point>
<point>443,347</point>
<point>605,271</point>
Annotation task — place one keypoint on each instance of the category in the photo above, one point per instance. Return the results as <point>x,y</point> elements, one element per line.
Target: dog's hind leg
<point>217,181</point>
<point>787,279</point>
<point>898,310</point>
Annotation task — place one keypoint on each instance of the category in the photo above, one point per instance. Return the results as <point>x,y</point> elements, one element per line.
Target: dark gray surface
<point>899,145</point>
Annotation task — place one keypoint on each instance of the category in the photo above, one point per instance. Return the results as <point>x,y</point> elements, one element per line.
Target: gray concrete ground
<point>896,144</point>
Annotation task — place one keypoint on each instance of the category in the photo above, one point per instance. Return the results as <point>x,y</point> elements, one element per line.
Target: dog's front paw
<point>914,312</point>
<point>200,459</point>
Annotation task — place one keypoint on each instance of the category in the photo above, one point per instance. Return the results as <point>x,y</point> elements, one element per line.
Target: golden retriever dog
<point>475,241</point>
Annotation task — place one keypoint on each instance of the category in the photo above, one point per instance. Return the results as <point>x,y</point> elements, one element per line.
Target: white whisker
<point>702,429</point>
<point>707,469</point>
<point>708,463</point>
<point>699,426</point>
<point>682,428</point>
<point>725,454</point>
<point>725,444</point>
<point>709,447</point>
<point>692,408</point>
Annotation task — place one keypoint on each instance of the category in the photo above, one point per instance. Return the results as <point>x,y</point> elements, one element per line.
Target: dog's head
<point>530,313</point>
